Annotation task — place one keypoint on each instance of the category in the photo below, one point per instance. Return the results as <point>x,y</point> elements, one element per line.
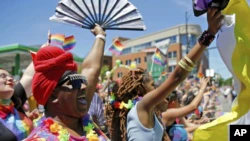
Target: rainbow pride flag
<point>233,44</point>
<point>158,59</point>
<point>117,47</point>
<point>200,75</point>
<point>69,43</point>
<point>57,39</point>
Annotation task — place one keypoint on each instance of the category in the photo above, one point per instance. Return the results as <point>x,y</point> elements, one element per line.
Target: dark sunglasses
<point>76,80</point>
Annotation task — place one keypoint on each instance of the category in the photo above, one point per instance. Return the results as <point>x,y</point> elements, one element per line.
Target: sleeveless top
<point>137,132</point>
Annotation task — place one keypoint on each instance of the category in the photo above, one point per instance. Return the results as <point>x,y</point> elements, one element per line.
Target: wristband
<point>206,38</point>
<point>101,36</point>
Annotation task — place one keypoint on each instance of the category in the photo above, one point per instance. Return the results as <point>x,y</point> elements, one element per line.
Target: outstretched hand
<point>98,30</point>
<point>214,18</point>
<point>204,82</point>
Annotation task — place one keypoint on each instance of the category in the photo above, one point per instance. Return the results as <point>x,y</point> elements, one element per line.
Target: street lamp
<point>188,36</point>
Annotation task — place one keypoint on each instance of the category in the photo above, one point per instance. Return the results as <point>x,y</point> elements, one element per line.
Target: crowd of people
<point>52,101</point>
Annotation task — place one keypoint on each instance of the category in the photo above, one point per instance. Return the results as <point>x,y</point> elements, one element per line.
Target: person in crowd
<point>96,111</point>
<point>134,105</point>
<point>65,94</point>
<point>14,123</point>
<point>175,113</point>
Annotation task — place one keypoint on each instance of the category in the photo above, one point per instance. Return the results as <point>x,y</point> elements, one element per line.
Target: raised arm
<point>91,65</point>
<point>181,71</point>
<point>173,113</point>
<point>190,127</point>
<point>28,75</point>
<point>26,79</point>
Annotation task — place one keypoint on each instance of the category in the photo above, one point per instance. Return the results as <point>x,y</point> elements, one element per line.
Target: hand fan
<point>200,6</point>
<point>110,14</point>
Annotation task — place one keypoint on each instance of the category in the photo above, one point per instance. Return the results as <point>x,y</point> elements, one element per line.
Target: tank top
<point>137,132</point>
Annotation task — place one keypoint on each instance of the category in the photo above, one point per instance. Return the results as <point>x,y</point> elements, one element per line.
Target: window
<point>138,60</point>
<point>142,46</point>
<point>119,74</point>
<point>171,68</point>
<point>145,59</point>
<point>172,39</point>
<point>174,54</point>
<point>192,40</point>
<point>126,51</point>
<point>169,54</point>
<point>128,62</point>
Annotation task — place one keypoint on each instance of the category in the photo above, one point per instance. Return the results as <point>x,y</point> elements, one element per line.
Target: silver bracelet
<point>101,36</point>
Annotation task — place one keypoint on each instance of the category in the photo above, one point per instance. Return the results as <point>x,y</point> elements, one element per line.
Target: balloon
<point>133,65</point>
<point>118,62</point>
<point>108,73</point>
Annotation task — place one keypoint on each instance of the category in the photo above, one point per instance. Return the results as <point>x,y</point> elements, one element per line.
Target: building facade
<point>174,43</point>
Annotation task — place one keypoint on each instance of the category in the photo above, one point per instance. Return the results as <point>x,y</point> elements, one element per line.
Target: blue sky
<point>27,22</point>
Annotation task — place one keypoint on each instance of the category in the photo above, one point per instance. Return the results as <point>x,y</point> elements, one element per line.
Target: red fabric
<point>5,110</point>
<point>50,64</point>
<point>197,112</point>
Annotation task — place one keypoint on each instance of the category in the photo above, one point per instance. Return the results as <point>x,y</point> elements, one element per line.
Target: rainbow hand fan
<point>109,14</point>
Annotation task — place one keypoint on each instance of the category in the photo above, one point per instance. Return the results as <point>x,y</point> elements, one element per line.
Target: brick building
<point>141,50</point>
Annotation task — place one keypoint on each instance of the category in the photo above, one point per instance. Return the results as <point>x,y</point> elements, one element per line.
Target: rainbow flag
<point>117,47</point>
<point>69,43</point>
<point>158,59</point>
<point>233,44</point>
<point>57,39</point>
<point>200,75</point>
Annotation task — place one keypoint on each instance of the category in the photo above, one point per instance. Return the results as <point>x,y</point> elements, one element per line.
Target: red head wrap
<point>50,64</point>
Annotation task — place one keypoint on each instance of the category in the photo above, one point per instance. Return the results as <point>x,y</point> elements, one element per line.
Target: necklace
<point>52,127</point>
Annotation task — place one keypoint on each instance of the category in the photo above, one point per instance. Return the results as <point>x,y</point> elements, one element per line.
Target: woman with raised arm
<point>175,113</point>
<point>65,94</point>
<point>15,125</point>
<point>136,121</point>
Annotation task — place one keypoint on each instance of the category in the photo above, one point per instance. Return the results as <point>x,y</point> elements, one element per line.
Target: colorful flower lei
<point>121,105</point>
<point>61,133</point>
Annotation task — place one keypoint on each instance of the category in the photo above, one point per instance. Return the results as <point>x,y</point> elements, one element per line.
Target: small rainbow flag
<point>158,58</point>
<point>200,75</point>
<point>57,39</point>
<point>69,43</point>
<point>117,48</point>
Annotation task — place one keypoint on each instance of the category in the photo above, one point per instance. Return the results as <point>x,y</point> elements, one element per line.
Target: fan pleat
<point>63,9</point>
<point>116,14</point>
<point>110,11</point>
<point>94,11</point>
<point>91,14</point>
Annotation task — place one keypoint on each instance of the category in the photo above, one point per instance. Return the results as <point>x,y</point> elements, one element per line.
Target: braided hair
<point>131,88</point>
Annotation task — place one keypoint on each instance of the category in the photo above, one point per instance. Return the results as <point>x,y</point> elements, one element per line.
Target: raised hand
<point>204,82</point>
<point>98,30</point>
<point>214,18</point>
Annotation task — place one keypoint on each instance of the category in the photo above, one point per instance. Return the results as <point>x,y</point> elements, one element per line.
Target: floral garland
<point>121,105</point>
<point>61,133</point>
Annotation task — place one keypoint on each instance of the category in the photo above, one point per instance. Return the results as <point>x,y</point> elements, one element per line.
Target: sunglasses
<point>76,80</point>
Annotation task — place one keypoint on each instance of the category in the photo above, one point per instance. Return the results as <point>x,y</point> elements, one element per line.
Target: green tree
<point>229,81</point>
<point>104,69</point>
